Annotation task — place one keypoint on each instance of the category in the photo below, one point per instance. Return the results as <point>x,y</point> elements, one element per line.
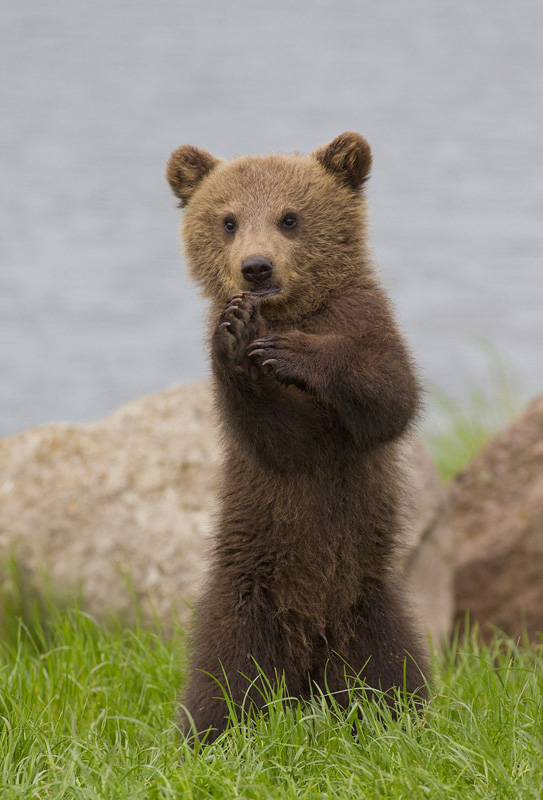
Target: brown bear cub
<point>314,387</point>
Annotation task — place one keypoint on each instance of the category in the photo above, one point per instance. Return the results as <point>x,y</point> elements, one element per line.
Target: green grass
<point>87,712</point>
<point>466,426</point>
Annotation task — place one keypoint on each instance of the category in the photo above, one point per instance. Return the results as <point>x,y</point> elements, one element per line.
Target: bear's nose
<point>256,269</point>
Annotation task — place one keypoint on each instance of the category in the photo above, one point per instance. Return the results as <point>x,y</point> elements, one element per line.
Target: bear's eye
<point>229,224</point>
<point>289,221</point>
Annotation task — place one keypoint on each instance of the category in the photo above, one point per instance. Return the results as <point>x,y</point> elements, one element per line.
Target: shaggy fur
<point>314,387</point>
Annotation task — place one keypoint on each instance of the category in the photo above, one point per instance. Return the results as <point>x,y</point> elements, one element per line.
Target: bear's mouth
<point>264,290</point>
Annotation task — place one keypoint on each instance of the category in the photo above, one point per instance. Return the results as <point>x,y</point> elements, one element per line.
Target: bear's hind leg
<point>383,651</point>
<point>385,647</point>
<point>240,657</point>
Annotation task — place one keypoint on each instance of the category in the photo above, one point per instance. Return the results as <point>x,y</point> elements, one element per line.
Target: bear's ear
<point>186,168</point>
<point>348,157</point>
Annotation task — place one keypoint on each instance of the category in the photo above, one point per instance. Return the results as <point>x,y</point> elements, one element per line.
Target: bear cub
<point>314,387</point>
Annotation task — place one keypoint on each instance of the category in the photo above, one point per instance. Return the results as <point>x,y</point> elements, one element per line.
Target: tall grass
<point>465,426</point>
<point>88,712</point>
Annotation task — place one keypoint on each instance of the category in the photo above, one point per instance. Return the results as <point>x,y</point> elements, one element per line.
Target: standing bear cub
<point>314,387</point>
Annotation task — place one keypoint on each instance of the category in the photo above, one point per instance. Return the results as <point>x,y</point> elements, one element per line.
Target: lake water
<point>94,306</point>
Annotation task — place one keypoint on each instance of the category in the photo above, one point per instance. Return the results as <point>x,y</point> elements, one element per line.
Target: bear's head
<point>288,228</point>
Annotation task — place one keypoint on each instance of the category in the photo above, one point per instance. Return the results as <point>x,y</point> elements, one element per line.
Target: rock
<point>118,509</point>
<point>426,559</point>
<point>121,509</point>
<point>497,517</point>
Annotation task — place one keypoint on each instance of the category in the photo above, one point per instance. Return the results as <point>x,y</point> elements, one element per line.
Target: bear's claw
<point>238,324</point>
<point>270,342</point>
<point>276,357</point>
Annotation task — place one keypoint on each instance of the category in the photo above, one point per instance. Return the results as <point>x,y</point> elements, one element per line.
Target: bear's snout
<point>257,269</point>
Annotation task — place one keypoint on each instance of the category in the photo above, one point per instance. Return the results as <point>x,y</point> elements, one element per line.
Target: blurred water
<point>94,306</point>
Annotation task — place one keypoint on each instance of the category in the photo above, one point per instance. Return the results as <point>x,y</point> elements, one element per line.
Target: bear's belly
<point>310,533</point>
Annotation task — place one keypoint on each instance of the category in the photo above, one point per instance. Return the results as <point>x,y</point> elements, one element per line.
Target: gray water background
<point>94,306</point>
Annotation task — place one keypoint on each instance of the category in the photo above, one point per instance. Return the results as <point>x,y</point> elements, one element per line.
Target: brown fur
<point>314,387</point>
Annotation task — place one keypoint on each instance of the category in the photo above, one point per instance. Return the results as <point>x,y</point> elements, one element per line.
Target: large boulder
<point>120,510</point>
<point>497,517</point>
<point>426,557</point>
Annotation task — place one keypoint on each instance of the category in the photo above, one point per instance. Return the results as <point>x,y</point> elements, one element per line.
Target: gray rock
<point>426,557</point>
<point>120,509</point>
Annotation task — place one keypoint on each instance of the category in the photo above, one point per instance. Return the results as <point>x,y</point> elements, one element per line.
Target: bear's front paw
<point>238,325</point>
<point>278,357</point>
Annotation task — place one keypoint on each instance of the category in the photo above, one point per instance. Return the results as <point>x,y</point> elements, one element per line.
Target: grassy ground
<point>87,713</point>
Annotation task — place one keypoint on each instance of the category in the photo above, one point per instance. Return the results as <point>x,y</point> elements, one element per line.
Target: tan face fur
<point>255,195</point>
